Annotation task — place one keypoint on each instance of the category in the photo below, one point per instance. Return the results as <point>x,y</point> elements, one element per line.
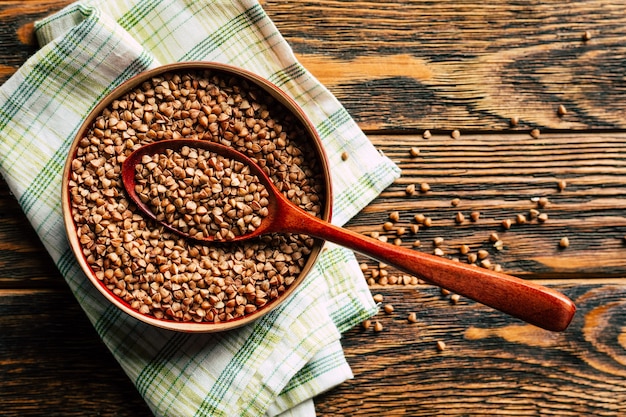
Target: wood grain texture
<point>491,365</point>
<point>413,65</point>
<point>445,65</point>
<point>500,176</point>
<point>16,36</point>
<point>24,262</point>
<point>401,67</point>
<point>53,362</point>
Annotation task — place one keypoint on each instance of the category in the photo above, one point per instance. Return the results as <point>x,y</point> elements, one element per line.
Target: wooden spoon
<point>525,300</point>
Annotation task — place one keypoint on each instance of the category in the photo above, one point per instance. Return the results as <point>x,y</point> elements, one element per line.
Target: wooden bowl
<point>111,239</point>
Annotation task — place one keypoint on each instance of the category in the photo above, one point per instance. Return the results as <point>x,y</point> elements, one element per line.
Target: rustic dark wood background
<point>400,68</point>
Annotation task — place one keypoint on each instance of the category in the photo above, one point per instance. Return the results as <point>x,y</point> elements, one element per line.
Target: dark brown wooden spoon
<point>519,298</point>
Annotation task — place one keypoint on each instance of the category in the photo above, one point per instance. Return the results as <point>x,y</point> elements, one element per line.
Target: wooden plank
<point>501,176</point>
<point>491,365</point>
<point>17,38</point>
<point>463,64</point>
<point>444,65</point>
<point>24,262</point>
<point>53,363</point>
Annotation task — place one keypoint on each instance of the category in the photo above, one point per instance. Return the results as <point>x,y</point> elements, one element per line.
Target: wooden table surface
<point>401,68</point>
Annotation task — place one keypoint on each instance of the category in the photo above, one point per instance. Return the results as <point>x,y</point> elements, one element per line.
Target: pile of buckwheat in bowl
<point>154,274</point>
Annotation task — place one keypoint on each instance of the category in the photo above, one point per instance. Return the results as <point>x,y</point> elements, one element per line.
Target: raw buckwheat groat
<point>201,193</point>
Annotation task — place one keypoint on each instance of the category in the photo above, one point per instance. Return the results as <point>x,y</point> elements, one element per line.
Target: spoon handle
<point>528,301</point>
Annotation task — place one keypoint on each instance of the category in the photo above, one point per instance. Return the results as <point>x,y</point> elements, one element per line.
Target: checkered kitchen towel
<point>273,366</point>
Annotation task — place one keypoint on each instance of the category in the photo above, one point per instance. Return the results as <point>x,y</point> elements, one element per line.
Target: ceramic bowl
<point>127,257</point>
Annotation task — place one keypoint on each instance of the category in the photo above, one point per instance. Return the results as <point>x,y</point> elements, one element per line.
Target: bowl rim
<point>125,87</point>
